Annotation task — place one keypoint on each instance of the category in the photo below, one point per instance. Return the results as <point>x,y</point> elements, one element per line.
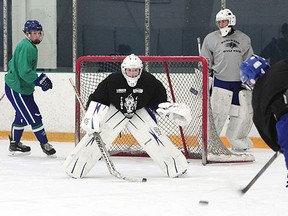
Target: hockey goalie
<point>129,98</point>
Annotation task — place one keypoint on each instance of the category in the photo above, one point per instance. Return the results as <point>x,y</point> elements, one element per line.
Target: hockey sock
<point>16,132</point>
<point>40,133</point>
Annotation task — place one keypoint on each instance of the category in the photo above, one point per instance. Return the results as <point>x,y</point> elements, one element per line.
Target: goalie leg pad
<point>239,126</point>
<point>82,158</point>
<point>220,102</point>
<point>85,155</point>
<point>157,145</point>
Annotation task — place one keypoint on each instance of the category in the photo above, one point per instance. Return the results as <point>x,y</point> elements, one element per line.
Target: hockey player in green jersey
<point>20,82</point>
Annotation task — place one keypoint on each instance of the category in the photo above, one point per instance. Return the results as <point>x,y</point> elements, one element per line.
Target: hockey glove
<point>282,134</point>
<point>93,117</point>
<point>178,113</point>
<point>44,82</point>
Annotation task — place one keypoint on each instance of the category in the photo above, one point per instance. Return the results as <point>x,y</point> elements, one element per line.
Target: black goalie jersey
<point>148,92</point>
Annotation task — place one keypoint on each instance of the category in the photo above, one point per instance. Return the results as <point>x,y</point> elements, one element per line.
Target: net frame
<point>208,134</point>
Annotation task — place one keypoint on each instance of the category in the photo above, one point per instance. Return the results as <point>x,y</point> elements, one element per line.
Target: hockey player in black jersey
<point>128,99</point>
<point>269,100</point>
<point>130,90</point>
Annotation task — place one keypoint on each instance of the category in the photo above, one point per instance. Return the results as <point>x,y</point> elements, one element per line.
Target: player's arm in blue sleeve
<point>279,108</point>
<point>282,134</point>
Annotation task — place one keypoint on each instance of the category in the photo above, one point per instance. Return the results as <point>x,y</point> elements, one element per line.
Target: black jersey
<point>148,92</point>
<point>266,94</point>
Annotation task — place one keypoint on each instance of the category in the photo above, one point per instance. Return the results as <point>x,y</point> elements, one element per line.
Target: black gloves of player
<point>44,82</point>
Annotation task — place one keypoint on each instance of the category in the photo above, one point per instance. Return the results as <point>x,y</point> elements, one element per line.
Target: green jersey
<point>22,68</point>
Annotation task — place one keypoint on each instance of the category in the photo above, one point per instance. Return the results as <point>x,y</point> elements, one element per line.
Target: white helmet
<point>131,61</point>
<point>225,14</point>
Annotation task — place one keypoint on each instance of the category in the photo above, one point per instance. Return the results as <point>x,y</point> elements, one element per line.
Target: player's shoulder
<point>147,76</point>
<point>242,34</point>
<point>213,34</point>
<point>23,43</point>
<point>280,66</point>
<point>114,75</point>
<point>113,78</point>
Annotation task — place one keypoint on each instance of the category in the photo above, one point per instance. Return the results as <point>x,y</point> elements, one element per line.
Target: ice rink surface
<point>35,185</point>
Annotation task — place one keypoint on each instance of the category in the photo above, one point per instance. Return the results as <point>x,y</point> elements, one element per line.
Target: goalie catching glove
<point>44,82</point>
<point>178,113</point>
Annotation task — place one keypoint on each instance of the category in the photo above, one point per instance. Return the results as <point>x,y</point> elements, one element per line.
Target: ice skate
<point>18,149</point>
<point>48,149</point>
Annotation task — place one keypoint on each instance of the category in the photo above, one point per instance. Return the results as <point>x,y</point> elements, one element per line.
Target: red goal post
<point>186,81</point>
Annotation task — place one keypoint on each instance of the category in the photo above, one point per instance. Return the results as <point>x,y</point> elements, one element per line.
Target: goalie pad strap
<point>157,145</point>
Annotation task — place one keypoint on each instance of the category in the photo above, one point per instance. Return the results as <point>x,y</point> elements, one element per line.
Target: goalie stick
<point>103,150</point>
<point>256,177</point>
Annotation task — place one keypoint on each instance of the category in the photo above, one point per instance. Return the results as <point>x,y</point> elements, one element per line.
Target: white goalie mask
<point>225,14</point>
<point>131,61</point>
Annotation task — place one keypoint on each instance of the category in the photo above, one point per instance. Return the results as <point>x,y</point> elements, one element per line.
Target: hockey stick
<point>193,90</point>
<point>223,4</point>
<point>256,177</point>
<point>199,45</point>
<point>2,96</point>
<point>103,150</point>
<point>109,163</point>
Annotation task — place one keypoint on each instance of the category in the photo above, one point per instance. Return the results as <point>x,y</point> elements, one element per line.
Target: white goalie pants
<point>85,155</point>
<point>157,145</point>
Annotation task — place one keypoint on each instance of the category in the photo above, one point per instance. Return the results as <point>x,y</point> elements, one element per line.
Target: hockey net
<point>186,81</point>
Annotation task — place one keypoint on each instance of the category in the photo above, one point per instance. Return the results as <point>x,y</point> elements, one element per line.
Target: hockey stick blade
<point>105,154</point>
<point>256,177</point>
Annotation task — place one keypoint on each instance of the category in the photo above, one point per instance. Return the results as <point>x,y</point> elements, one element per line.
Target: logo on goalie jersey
<point>130,104</point>
<point>232,45</point>
<point>120,91</point>
<point>138,90</point>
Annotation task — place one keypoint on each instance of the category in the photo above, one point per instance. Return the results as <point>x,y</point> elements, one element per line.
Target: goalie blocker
<point>142,126</point>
